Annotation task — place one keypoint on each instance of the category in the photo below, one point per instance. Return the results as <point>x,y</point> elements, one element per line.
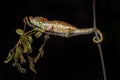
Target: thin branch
<point>99,45</point>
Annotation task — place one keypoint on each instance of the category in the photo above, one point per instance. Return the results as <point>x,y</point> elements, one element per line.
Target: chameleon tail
<point>84,31</point>
<point>99,38</point>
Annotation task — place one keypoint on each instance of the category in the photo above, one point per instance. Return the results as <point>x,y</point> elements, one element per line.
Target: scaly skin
<point>61,28</point>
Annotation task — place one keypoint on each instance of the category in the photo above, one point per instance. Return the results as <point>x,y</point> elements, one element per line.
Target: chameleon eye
<point>37,23</point>
<point>32,21</point>
<point>40,22</point>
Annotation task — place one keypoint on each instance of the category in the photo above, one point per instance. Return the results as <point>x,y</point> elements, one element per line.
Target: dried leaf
<point>30,59</point>
<point>46,38</point>
<point>29,47</point>
<point>40,54</point>
<point>20,31</point>
<point>22,70</point>
<point>32,68</point>
<point>41,51</point>
<point>38,34</point>
<point>22,59</point>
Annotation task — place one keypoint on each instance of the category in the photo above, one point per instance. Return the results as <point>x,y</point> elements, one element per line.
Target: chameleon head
<point>35,21</point>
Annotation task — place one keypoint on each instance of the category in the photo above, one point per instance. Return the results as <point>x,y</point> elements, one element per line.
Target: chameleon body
<point>60,28</point>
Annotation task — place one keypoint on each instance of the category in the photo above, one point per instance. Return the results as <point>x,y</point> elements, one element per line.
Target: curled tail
<point>99,38</point>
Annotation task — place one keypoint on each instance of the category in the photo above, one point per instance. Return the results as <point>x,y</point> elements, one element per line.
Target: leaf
<point>20,31</point>
<point>24,39</point>
<point>27,47</point>
<point>32,68</point>
<point>26,44</point>
<point>25,50</point>
<point>46,38</point>
<point>22,59</point>
<point>22,70</point>
<point>9,57</point>
<point>41,51</point>
<point>38,29</point>
<point>30,39</point>
<point>40,54</point>
<point>31,65</point>
<point>38,34</point>
<point>17,52</point>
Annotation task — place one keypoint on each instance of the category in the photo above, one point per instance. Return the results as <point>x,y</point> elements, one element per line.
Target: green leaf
<point>30,39</point>
<point>17,53</point>
<point>20,31</point>
<point>29,47</point>
<point>25,50</point>
<point>9,57</point>
<point>24,39</point>
<point>38,34</point>
<point>38,29</point>
<point>26,47</point>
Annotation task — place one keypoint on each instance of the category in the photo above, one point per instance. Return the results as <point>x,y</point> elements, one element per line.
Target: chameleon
<point>61,28</point>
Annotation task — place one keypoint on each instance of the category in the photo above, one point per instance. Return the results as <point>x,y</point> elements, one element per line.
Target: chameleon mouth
<point>27,21</point>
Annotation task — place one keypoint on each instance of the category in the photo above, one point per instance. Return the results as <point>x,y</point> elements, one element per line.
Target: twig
<point>99,45</point>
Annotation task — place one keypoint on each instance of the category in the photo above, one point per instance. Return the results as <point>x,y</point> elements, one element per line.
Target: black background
<point>75,58</point>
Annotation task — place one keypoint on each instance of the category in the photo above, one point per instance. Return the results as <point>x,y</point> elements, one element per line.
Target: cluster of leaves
<point>23,47</point>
